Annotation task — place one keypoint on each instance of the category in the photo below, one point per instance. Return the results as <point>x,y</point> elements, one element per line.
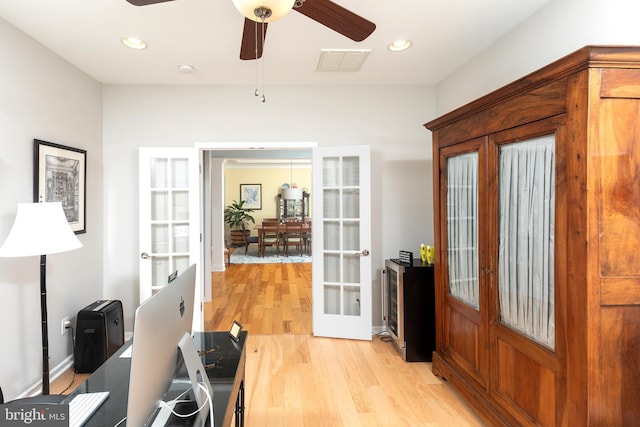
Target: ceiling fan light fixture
<point>399,45</point>
<point>255,9</point>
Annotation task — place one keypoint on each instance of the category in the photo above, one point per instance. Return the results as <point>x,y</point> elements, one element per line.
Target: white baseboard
<point>58,370</point>
<point>218,267</point>
<point>54,374</point>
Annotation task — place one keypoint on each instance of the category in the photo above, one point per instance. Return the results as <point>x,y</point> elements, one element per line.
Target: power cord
<point>384,336</point>
<point>73,349</point>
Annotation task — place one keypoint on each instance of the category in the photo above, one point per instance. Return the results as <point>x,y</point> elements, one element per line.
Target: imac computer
<point>162,330</point>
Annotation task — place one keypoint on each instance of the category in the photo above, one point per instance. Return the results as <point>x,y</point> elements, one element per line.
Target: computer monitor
<point>161,325</point>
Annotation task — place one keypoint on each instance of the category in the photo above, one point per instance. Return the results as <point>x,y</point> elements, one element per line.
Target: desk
<point>227,380</point>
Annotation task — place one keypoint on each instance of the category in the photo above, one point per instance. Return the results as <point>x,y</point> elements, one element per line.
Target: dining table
<point>306,230</point>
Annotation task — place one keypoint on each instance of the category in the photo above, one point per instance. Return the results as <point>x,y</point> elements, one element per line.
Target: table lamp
<point>40,229</point>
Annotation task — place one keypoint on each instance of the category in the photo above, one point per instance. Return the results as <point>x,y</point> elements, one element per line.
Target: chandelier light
<point>293,192</point>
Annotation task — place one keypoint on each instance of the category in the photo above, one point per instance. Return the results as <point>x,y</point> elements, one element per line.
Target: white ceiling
<point>206,34</point>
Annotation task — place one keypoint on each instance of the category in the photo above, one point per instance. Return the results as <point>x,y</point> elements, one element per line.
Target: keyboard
<point>83,405</point>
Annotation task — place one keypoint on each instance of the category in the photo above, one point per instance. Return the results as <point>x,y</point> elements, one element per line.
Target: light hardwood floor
<point>296,379</point>
<point>264,298</point>
<point>67,382</point>
<point>301,380</point>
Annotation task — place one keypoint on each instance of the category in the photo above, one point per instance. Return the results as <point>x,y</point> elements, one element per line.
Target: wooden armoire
<point>537,236</point>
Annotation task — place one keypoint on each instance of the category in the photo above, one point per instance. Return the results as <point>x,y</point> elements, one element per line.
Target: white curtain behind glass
<point>462,227</point>
<point>527,202</point>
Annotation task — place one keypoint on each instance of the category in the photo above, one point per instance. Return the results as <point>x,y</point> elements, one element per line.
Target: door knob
<point>365,252</point>
<point>145,255</point>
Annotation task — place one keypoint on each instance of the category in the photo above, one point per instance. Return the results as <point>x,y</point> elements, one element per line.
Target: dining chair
<point>306,237</point>
<point>227,251</point>
<point>250,239</point>
<point>292,236</point>
<point>269,236</point>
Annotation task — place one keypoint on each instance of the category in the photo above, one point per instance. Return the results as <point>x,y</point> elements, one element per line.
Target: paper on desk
<point>127,353</point>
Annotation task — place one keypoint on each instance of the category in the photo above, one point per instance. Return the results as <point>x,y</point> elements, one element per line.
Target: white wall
<point>557,29</point>
<point>44,97</point>
<point>389,119</point>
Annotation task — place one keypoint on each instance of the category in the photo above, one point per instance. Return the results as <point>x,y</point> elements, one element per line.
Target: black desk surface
<point>226,376</point>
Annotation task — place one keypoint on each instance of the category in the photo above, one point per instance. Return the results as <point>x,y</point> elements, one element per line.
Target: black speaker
<point>99,334</point>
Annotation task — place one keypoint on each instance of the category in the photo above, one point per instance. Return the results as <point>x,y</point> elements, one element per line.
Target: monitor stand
<point>197,375</point>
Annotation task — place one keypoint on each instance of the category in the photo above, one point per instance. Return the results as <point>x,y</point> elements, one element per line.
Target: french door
<point>169,219</point>
<point>341,241</point>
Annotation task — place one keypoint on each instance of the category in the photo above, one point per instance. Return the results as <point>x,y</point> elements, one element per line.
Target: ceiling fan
<point>258,13</point>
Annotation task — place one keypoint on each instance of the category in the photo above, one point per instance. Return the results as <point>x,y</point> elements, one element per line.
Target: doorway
<point>341,282</point>
<point>229,297</point>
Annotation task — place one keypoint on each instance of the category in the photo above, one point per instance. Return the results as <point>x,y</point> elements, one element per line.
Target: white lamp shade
<point>279,8</point>
<point>292,193</point>
<point>39,229</point>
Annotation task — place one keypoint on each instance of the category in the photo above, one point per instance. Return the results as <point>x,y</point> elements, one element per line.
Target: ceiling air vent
<point>342,59</point>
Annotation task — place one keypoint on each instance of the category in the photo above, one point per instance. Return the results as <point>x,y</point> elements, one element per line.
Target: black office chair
<point>48,399</point>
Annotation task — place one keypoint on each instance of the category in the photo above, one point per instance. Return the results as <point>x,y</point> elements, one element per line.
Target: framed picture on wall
<point>251,195</point>
<point>60,176</point>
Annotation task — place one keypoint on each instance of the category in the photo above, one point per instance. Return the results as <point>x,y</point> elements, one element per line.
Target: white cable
<point>173,402</point>
<point>210,400</point>
<point>177,400</point>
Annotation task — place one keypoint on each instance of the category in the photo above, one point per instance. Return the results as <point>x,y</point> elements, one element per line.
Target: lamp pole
<point>45,328</point>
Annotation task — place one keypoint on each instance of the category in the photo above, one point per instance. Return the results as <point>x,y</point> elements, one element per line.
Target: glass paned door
<point>342,225</point>
<point>169,217</point>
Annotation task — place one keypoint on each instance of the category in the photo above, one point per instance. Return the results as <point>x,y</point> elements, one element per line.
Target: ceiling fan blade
<point>146,2</point>
<point>337,18</point>
<point>249,39</point>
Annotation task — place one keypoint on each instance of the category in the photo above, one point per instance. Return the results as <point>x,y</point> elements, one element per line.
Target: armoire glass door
<point>526,237</point>
<point>462,227</point>
<point>464,262</point>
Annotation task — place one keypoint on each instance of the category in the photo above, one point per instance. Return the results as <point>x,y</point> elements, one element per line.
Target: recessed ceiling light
<point>186,68</point>
<point>134,43</point>
<point>399,45</point>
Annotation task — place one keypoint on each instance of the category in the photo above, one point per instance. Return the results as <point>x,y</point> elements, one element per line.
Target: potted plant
<point>237,216</point>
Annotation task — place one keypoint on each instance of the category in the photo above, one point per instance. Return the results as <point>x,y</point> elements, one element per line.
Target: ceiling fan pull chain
<point>257,92</point>
<point>263,55</point>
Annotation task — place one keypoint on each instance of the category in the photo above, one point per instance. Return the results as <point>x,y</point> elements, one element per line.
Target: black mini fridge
<point>99,334</point>
<point>410,308</point>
